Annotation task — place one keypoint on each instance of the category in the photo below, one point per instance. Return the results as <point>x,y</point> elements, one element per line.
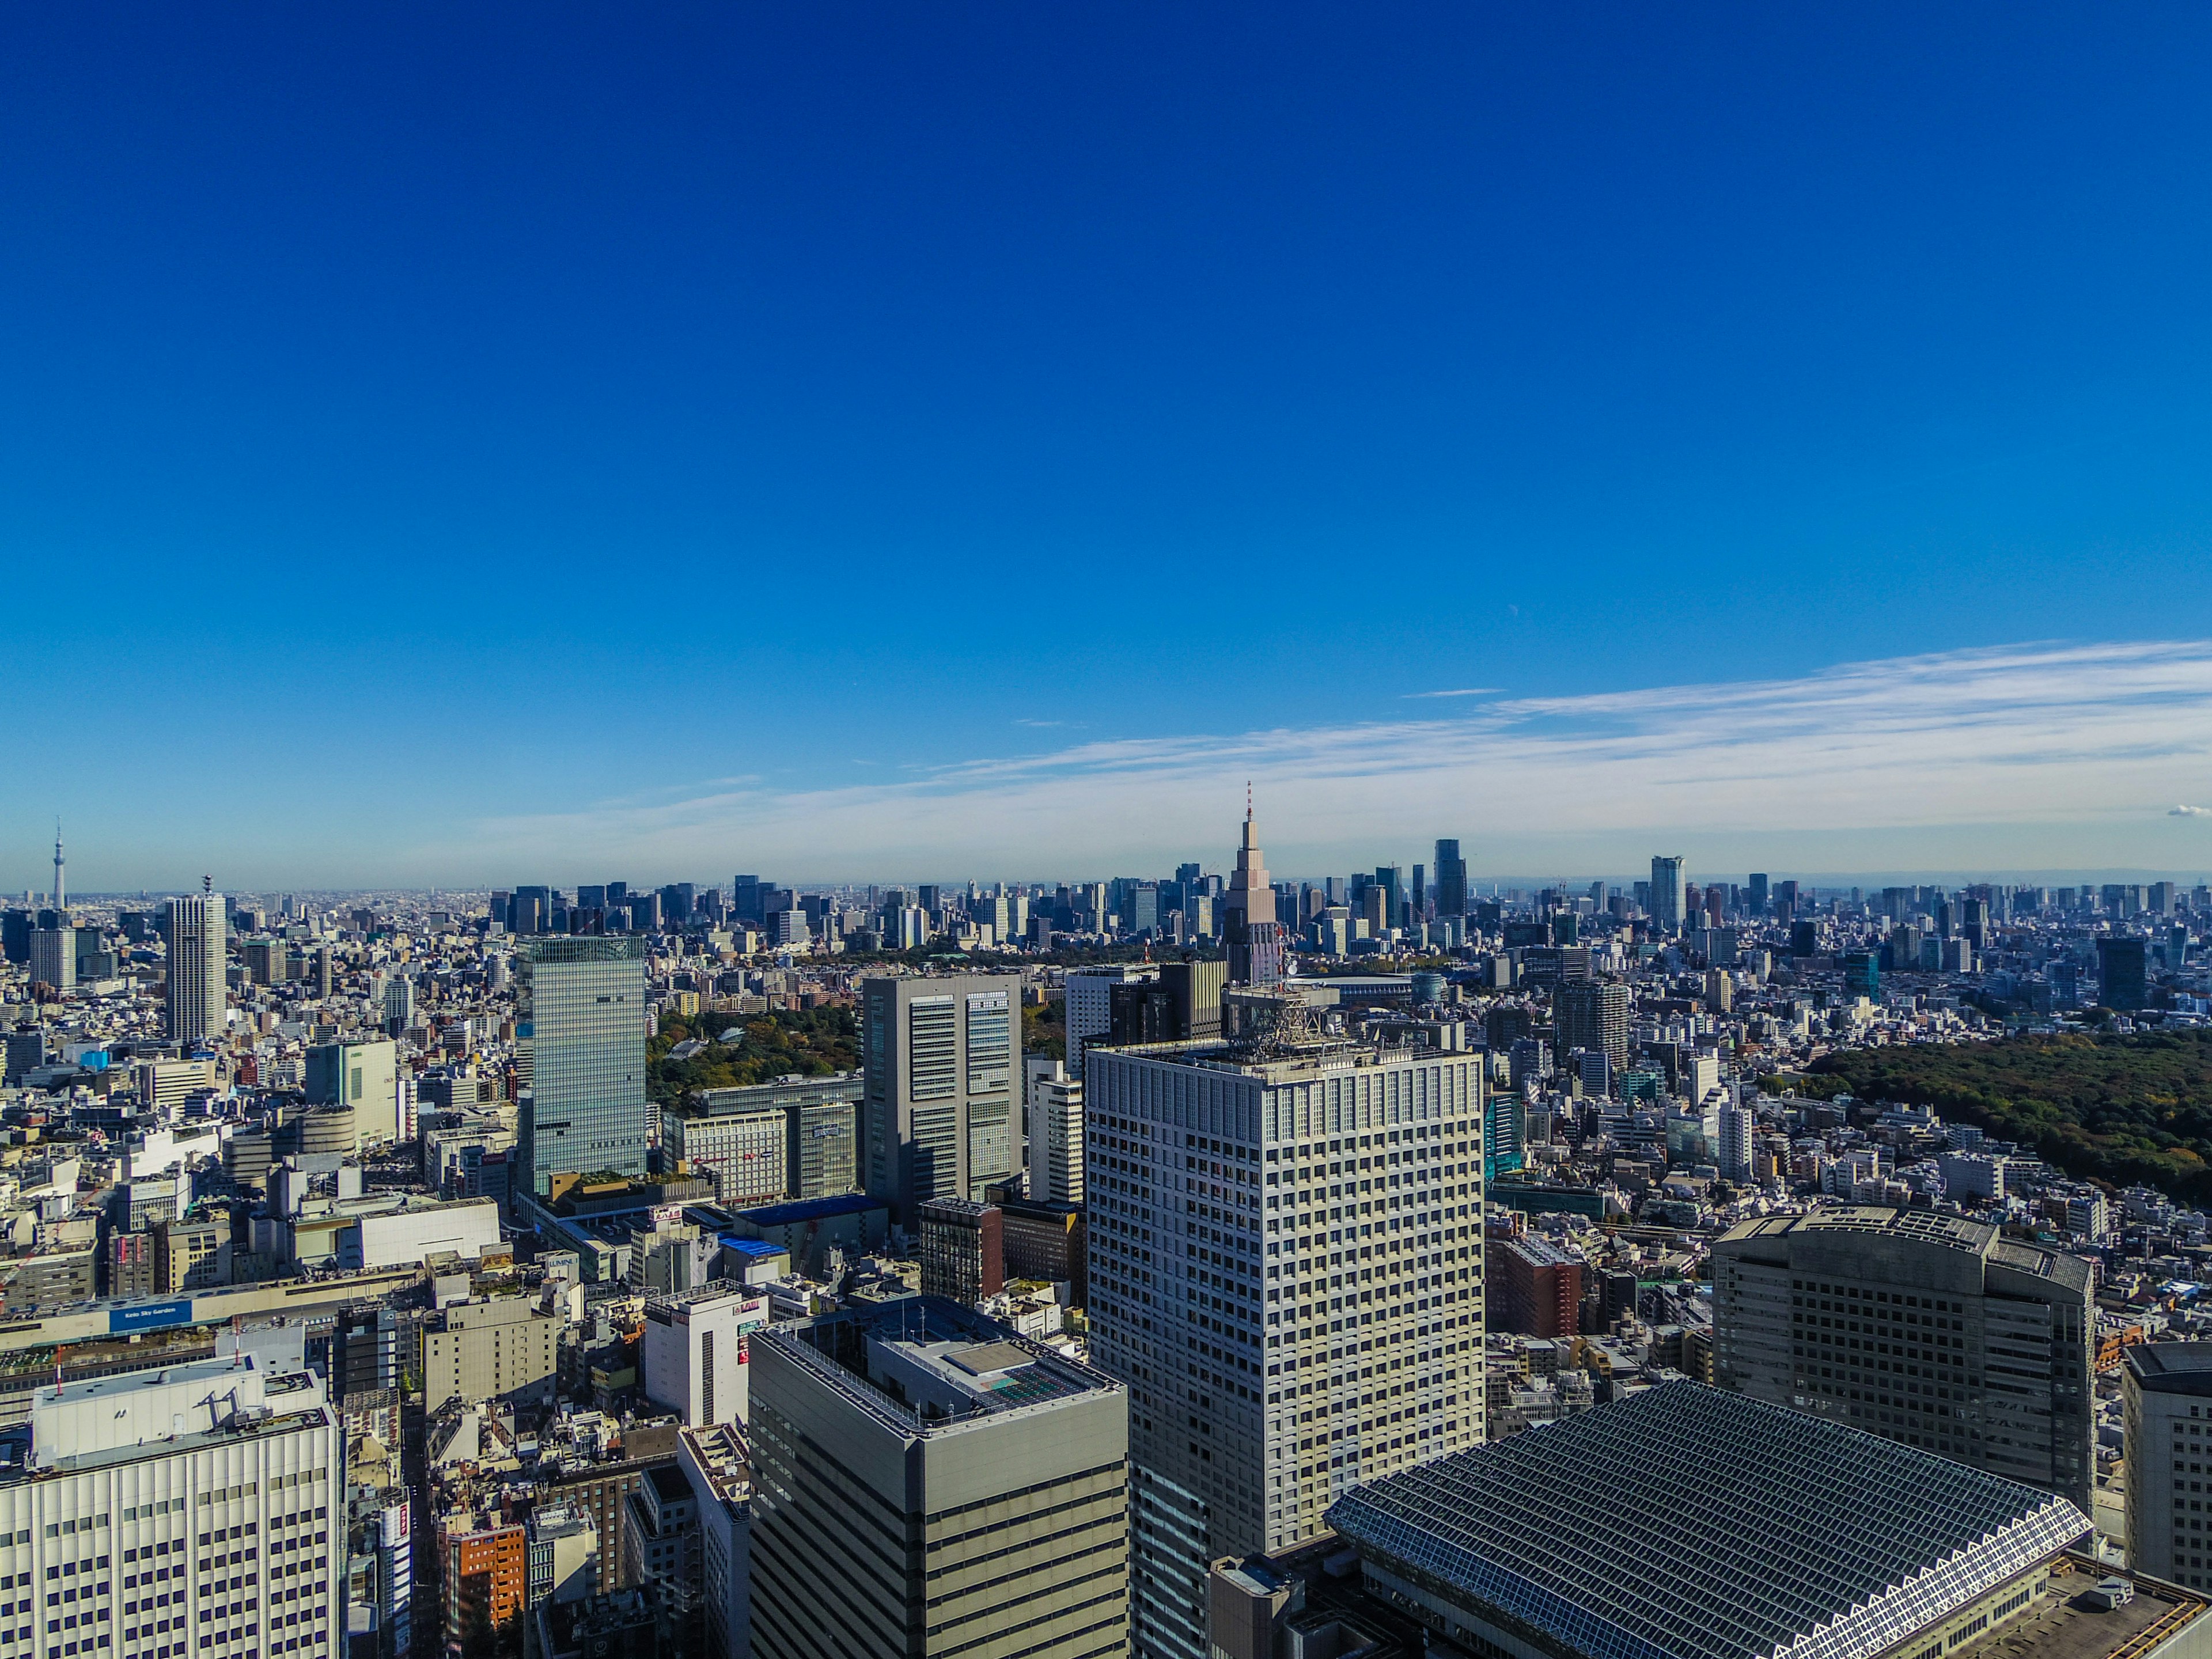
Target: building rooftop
<point>2171,1367</point>
<point>2063,1624</point>
<point>922,1363</point>
<point>810,1209</point>
<point>1685,1522</point>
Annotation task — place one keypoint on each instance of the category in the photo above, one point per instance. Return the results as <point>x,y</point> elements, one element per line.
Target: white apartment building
<point>1052,1119</point>
<point>184,1511</point>
<point>1286,1269</point>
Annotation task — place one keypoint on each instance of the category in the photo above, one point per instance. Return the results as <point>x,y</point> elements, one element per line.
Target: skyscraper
<point>925,1483</point>
<point>1930,1330</point>
<point>2123,972</point>
<point>1592,1015</point>
<point>1286,1266</point>
<point>1450,870</point>
<point>53,957</point>
<point>1254,935</point>
<point>938,1120</point>
<point>580,1040</point>
<point>197,999</point>
<point>1667,895</point>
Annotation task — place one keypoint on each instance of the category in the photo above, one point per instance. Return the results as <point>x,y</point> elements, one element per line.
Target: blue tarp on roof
<point>811,1209</point>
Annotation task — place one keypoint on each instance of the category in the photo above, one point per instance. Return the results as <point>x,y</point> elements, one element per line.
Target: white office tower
<point>1286,1269</point>
<point>185,1513</point>
<point>1089,1005</point>
<point>197,957</point>
<point>1052,1121</point>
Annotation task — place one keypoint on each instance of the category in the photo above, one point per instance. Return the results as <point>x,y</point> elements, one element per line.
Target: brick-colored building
<point>1535,1287</point>
<point>487,1581</point>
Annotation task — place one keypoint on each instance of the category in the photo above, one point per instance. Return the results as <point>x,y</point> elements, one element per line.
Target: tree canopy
<point>2132,1110</point>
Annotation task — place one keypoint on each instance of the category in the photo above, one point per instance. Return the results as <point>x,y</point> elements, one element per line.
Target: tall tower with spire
<point>61,882</point>
<point>1255,936</point>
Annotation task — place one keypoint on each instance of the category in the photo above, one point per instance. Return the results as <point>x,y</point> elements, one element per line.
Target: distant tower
<point>1254,935</point>
<point>1668,894</point>
<point>61,880</point>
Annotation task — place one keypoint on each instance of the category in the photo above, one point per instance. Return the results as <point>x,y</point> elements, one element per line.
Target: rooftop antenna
<point>207,885</point>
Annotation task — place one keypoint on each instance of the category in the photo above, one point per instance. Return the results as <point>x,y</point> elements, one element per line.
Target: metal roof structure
<point>1685,1522</point>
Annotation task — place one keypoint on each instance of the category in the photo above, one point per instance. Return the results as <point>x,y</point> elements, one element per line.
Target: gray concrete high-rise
<point>1667,894</point>
<point>928,1483</point>
<point>197,995</point>
<point>580,1042</point>
<point>1286,1266</point>
<point>2167,1413</point>
<point>939,1119</point>
<point>1927,1328</point>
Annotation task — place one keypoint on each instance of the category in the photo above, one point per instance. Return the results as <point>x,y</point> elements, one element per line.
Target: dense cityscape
<point>1168,1261</point>
<point>1243,831</point>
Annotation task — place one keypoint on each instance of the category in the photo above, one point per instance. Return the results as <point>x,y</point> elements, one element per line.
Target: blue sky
<point>553,443</point>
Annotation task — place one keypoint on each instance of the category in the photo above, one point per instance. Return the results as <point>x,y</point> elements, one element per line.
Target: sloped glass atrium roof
<point>1685,1522</point>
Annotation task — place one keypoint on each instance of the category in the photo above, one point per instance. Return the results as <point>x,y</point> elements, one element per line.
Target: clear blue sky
<point>439,440</point>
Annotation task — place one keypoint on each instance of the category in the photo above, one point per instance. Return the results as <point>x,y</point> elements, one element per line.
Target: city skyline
<point>2046,759</point>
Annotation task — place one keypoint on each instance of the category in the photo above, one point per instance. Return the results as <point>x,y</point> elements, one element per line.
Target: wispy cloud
<point>2189,813</point>
<point>1040,723</point>
<point>2024,744</point>
<point>1464,691</point>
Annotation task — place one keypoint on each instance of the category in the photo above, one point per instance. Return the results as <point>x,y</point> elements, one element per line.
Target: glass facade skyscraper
<point>579,1034</point>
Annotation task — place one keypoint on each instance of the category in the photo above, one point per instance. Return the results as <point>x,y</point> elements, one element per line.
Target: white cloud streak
<point>2052,753</point>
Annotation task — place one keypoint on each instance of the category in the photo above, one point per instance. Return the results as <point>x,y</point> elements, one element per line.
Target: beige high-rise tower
<point>196,997</point>
<point>1253,933</point>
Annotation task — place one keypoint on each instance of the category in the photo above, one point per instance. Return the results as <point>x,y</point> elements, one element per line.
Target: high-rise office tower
<point>928,1483</point>
<point>1255,934</point>
<point>196,997</point>
<point>2166,1403</point>
<point>216,1480</point>
<point>1667,895</point>
<point>1451,881</point>
<point>937,1119</point>
<point>1756,897</point>
<point>1592,1015</point>
<point>1930,1330</point>
<point>580,1036</point>
<point>2124,972</point>
<point>1286,1268</point>
<point>1088,1005</point>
